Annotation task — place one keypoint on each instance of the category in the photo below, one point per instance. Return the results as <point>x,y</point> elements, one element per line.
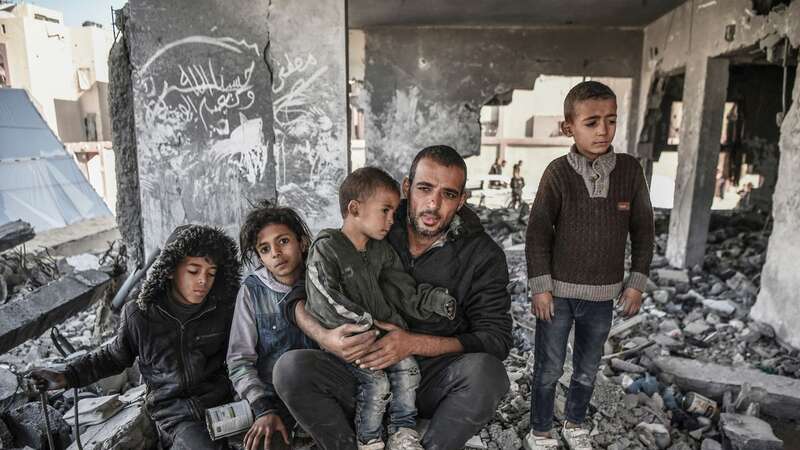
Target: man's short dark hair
<point>263,214</point>
<point>587,90</point>
<point>362,183</point>
<point>443,155</point>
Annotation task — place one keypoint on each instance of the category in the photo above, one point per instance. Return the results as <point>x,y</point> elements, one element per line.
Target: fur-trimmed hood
<point>195,240</point>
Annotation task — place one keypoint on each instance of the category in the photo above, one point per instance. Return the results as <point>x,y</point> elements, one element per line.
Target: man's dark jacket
<point>473,269</point>
<point>183,364</point>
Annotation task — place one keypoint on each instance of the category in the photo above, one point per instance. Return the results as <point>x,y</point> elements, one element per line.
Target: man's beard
<point>418,228</point>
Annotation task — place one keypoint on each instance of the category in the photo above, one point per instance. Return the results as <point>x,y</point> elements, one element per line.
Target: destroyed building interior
<point>314,89</point>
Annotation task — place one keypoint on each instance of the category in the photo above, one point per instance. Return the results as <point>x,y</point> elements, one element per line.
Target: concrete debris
<point>699,316</point>
<point>697,328</point>
<point>6,439</point>
<point>778,396</point>
<point>672,277</point>
<point>475,443</point>
<point>130,428</point>
<point>9,385</point>
<point>710,444</point>
<point>15,233</point>
<point>29,317</point>
<point>742,432</point>
<point>653,435</point>
<point>84,261</point>
<point>724,308</point>
<point>28,428</point>
<point>621,365</point>
<point>92,411</point>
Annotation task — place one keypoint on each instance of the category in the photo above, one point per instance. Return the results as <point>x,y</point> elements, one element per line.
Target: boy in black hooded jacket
<point>178,329</point>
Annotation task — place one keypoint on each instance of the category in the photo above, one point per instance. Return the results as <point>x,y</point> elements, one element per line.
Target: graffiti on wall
<point>201,131</point>
<point>308,146</point>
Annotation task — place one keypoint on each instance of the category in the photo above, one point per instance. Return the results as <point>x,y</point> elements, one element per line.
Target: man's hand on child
<point>265,426</point>
<point>349,341</point>
<point>47,380</point>
<point>388,350</point>
<point>630,302</point>
<point>542,306</point>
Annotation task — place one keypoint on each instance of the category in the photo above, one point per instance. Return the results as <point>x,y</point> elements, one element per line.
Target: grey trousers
<point>458,393</point>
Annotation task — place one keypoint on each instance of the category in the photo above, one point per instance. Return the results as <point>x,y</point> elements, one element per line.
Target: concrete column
<point>308,50</point>
<point>704,93</point>
<point>203,112</point>
<point>777,302</point>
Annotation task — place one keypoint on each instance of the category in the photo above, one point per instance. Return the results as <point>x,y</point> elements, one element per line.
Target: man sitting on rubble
<point>179,330</point>
<point>463,379</point>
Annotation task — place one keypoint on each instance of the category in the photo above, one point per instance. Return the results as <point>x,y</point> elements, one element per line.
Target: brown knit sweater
<point>579,225</point>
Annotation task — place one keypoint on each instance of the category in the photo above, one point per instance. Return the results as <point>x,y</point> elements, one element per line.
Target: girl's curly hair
<point>265,213</point>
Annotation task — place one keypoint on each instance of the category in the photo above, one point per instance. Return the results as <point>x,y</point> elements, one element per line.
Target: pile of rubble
<point>53,309</point>
<point>690,371</point>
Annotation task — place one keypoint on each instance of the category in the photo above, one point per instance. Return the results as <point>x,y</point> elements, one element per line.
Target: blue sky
<point>77,11</point>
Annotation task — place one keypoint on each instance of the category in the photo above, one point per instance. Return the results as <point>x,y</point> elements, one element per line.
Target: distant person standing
<point>497,169</point>
<point>517,183</point>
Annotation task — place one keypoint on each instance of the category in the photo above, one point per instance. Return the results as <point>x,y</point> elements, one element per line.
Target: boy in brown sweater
<point>587,204</point>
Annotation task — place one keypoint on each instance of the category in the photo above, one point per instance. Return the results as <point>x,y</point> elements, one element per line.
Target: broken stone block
<point>740,283</point>
<point>737,324</point>
<point>762,328</point>
<point>130,428</point>
<point>15,233</point>
<point>30,316</point>
<point>621,365</point>
<point>718,288</point>
<point>27,425</point>
<point>475,443</point>
<point>95,410</point>
<point>653,435</point>
<point>672,276</point>
<point>697,328</point>
<point>669,325</point>
<point>667,341</point>
<point>748,433</point>
<point>710,444</point>
<point>722,307</point>
<point>661,297</point>
<point>780,398</point>
<point>750,336</point>
<point>8,385</point>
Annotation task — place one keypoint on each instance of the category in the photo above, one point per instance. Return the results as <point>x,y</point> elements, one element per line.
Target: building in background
<point>65,72</point>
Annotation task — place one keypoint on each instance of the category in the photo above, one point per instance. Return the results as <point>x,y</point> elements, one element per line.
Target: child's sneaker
<point>375,444</point>
<point>404,439</point>
<point>577,438</point>
<point>533,442</point>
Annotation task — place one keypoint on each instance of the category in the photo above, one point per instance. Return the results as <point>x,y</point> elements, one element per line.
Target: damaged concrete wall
<point>684,40</point>
<point>123,136</point>
<point>309,91</point>
<point>780,280</point>
<point>426,85</point>
<point>203,111</point>
<point>699,29</point>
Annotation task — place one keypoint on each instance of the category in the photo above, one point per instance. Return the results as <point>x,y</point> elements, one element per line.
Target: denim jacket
<point>260,334</point>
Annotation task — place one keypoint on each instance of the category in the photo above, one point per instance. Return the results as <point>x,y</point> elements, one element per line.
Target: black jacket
<point>473,268</point>
<point>183,365</point>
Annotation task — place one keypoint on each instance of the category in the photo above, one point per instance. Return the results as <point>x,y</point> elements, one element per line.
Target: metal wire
<point>43,398</point>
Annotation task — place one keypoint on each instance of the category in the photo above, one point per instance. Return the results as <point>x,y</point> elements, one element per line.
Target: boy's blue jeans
<point>592,321</point>
<point>396,387</point>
